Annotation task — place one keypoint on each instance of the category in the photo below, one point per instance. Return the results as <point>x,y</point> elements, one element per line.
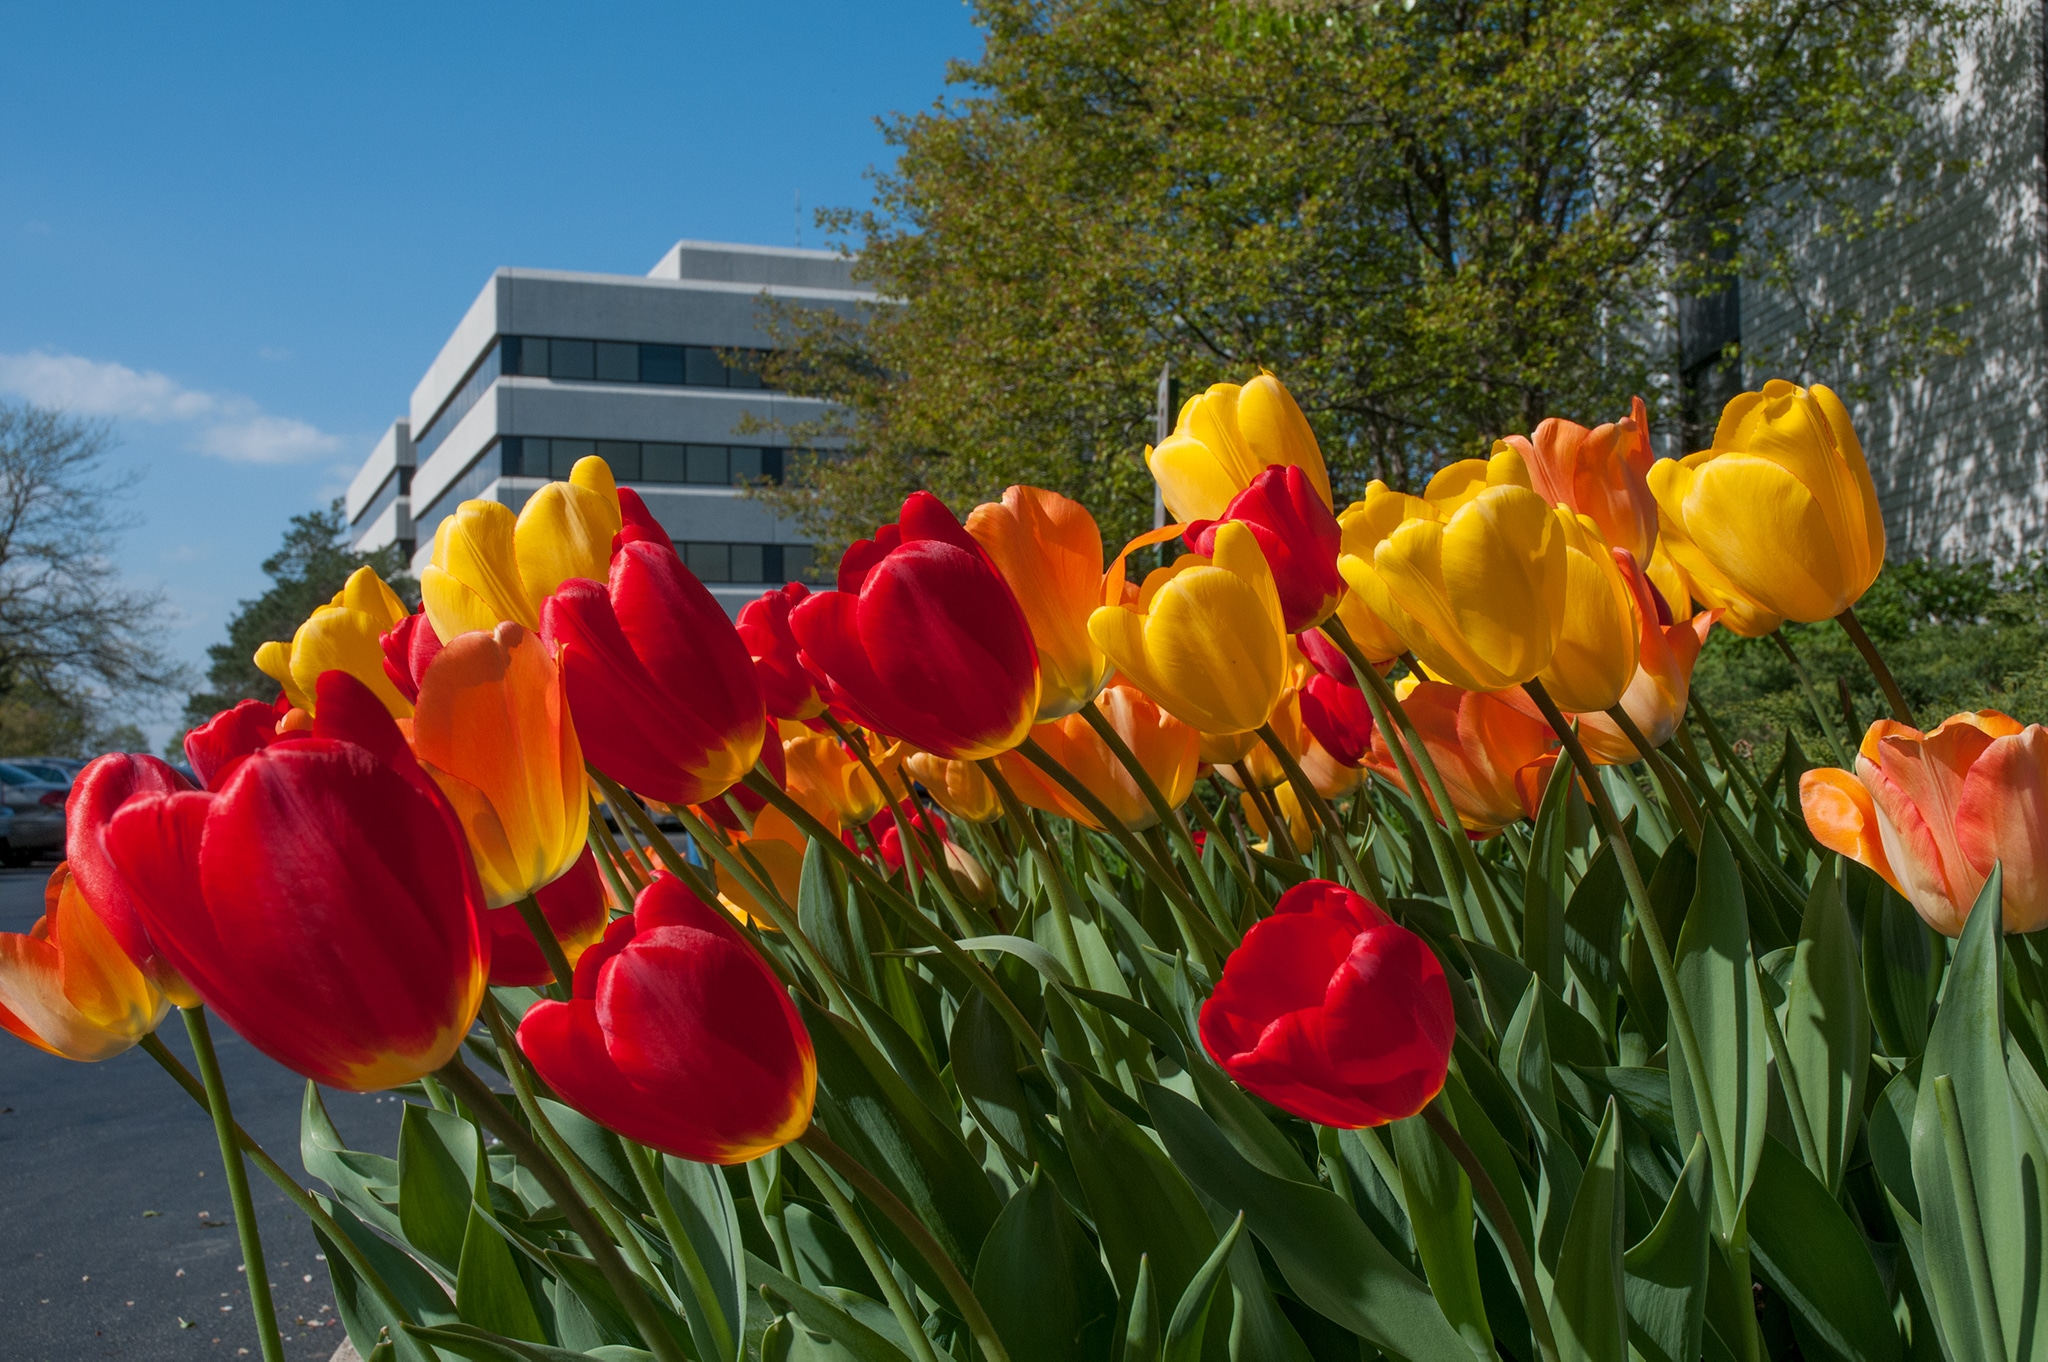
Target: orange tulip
<point>492,727</point>
<point>67,986</point>
<point>1933,812</point>
<point>959,786</point>
<point>1494,756</point>
<point>1656,697</point>
<point>1167,748</point>
<point>1599,473</point>
<point>824,777</point>
<point>774,850</point>
<point>1050,552</point>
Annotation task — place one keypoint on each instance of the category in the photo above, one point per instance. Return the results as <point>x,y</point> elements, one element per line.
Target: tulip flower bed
<point>1343,941</point>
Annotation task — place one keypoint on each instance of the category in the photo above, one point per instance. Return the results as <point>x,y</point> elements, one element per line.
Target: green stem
<point>629,1289</point>
<point>588,1186</point>
<point>1177,901</point>
<point>1326,817</point>
<point>246,1228</point>
<point>915,848</point>
<point>1667,778</point>
<point>1741,783</point>
<point>1279,836</point>
<point>1062,892</point>
<point>612,862</point>
<point>550,946</point>
<point>1503,1223</point>
<point>815,1141</point>
<point>647,1171</point>
<point>1243,875</point>
<point>1820,711</point>
<point>1653,938</point>
<point>286,1183</point>
<point>1895,697</point>
<point>851,1220</point>
<point>664,850</point>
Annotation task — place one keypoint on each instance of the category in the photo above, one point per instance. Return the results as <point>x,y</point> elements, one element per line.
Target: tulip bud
<point>410,647</point>
<point>1600,474</point>
<point>1656,697</point>
<point>321,901</point>
<point>958,787</point>
<point>1224,439</point>
<point>1298,535</point>
<point>1600,641</point>
<point>1207,639</point>
<point>699,1052</point>
<point>1338,718</point>
<point>343,635</point>
<point>1049,550</point>
<point>224,739</point>
<point>1494,756</point>
<point>1332,1011</point>
<point>924,640</point>
<point>1933,813</point>
<point>786,687</point>
<point>68,987</point>
<point>828,779</point>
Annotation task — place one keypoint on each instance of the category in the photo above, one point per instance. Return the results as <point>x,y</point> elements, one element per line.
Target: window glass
<point>624,458</point>
<point>746,372</point>
<point>710,562</point>
<point>771,464</point>
<point>566,453</point>
<point>796,562</point>
<point>661,364</point>
<point>662,463</point>
<point>746,464</point>
<point>702,368</point>
<point>533,459</point>
<point>746,563</point>
<point>618,362</point>
<point>707,464</point>
<point>571,359</point>
<point>527,355</point>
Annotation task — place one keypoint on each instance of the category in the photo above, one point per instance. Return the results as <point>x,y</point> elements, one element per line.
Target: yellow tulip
<point>1206,638</point>
<point>1656,698</point>
<point>826,778</point>
<point>775,849</point>
<point>1167,748</point>
<point>1226,749</point>
<point>67,987</point>
<point>493,730</point>
<point>1259,763</point>
<point>342,635</point>
<point>1050,552</point>
<point>1472,577</point>
<point>1600,644</point>
<point>1226,437</point>
<point>959,786</point>
<point>1781,509</point>
<point>489,565</point>
<point>1300,830</point>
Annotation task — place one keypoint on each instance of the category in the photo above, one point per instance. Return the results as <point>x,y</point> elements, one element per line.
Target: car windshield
<point>14,775</point>
<point>56,775</point>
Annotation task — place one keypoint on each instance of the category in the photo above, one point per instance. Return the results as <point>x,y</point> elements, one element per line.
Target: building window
<point>694,366</point>
<point>746,564</point>
<point>458,404</point>
<point>397,483</point>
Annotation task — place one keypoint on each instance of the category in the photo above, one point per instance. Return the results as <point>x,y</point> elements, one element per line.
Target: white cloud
<point>227,426</point>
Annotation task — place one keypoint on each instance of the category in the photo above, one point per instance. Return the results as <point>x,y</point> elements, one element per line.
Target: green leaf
<point>826,1315</point>
<point>1827,1026</point>
<point>1546,884</point>
<point>1890,1136</point>
<point>1992,1143</point>
<point>711,1222</point>
<point>1589,1308</point>
<point>1439,1200</point>
<point>905,1056</point>
<point>490,1290</point>
<point>823,913</point>
<point>366,1183</point>
<point>1666,1272</point>
<point>482,1345</point>
<point>1141,1333</point>
<point>984,1062</point>
<point>1184,1332</point>
<point>1592,930</point>
<point>438,1154</point>
<point>1526,1066</point>
<point>1717,977</point>
<point>870,1112</point>
<point>1042,1282</point>
<point>599,1150</point>
<point>1901,970</point>
<point>1332,1263</point>
<point>1806,1247</point>
<point>362,1313</point>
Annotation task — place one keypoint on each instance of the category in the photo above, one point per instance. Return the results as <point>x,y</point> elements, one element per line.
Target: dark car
<point>38,808</point>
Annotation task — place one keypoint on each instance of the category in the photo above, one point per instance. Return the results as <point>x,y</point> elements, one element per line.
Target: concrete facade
<point>548,366</point>
<point>1957,446</point>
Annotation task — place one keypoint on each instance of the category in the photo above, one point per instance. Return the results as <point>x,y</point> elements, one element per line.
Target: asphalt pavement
<point>116,1235</point>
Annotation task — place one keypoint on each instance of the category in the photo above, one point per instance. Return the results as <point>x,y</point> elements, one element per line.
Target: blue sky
<point>241,231</point>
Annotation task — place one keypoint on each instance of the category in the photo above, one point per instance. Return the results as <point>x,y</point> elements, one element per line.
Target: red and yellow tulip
<point>68,987</point>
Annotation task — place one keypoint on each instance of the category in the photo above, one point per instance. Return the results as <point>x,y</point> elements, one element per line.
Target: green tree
<point>1438,221</point>
<point>305,572</point>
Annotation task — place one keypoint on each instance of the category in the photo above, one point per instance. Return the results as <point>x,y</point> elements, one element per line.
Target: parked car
<point>36,806</point>
<point>57,770</point>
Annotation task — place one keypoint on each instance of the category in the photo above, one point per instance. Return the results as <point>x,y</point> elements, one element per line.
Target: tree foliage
<point>1439,222</point>
<point>305,572</point>
<point>75,638</point>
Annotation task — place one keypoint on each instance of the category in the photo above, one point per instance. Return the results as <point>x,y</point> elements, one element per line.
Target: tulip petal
<point>565,531</point>
<point>1841,817</point>
<point>1765,530</point>
<point>2002,818</point>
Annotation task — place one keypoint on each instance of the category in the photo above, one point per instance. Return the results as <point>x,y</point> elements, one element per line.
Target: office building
<point>659,375</point>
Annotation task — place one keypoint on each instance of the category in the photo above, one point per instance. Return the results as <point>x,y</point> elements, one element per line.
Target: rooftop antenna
<point>797,216</point>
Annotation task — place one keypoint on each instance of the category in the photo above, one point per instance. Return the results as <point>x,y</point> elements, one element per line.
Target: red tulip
<point>719,810</point>
<point>321,901</point>
<point>97,791</point>
<point>1332,1011</point>
<point>1297,533</point>
<point>574,907</point>
<point>927,823</point>
<point>228,737</point>
<point>661,688</point>
<point>409,649</point>
<point>764,627</point>
<point>678,1036</point>
<point>1326,657</point>
<point>1338,717</point>
<point>924,640</point>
